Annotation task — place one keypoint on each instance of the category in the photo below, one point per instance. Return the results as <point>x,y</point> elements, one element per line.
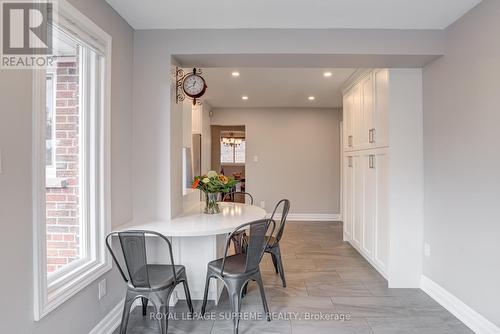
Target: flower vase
<point>211,205</point>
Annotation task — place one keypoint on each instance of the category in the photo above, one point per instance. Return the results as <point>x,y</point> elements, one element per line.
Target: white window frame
<point>50,292</point>
<point>233,163</point>
<point>51,170</point>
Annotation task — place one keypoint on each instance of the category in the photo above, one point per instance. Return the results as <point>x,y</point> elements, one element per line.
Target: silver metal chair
<point>150,282</point>
<point>273,246</point>
<point>237,237</point>
<point>236,270</point>
<point>231,195</point>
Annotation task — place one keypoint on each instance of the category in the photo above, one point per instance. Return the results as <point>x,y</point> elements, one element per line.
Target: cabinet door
<point>367,110</point>
<point>357,117</point>
<point>381,231</point>
<point>380,135</point>
<point>348,122</point>
<point>348,196</point>
<point>370,203</point>
<point>358,199</point>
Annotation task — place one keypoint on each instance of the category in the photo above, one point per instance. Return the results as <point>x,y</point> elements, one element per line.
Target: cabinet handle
<point>371,136</point>
<point>371,161</point>
<point>374,131</point>
<point>349,141</point>
<point>349,161</point>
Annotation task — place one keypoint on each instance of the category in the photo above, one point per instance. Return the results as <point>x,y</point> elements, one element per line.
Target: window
<point>50,126</point>
<point>232,153</point>
<point>71,184</point>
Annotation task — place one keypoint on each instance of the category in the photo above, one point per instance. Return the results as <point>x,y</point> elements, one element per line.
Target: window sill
<point>56,182</point>
<point>238,164</point>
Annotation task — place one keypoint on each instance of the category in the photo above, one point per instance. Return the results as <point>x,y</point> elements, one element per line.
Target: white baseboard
<point>458,308</point>
<point>110,322</point>
<point>318,217</point>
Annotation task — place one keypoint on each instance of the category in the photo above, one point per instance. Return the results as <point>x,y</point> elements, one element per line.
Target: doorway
<point>229,155</point>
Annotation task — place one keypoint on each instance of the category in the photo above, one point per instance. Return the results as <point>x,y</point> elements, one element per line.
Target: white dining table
<point>197,238</point>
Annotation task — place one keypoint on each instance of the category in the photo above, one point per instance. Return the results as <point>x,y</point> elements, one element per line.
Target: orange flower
<point>195,183</point>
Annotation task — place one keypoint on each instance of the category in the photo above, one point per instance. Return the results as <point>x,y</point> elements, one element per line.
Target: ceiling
<point>288,14</point>
<point>275,87</point>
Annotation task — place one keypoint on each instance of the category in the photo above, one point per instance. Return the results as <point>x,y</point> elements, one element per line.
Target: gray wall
<point>298,154</point>
<point>462,161</point>
<point>82,312</point>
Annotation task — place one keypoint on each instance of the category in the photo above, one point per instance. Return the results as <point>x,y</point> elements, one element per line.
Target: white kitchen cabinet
<point>380,174</point>
<point>357,198</point>
<point>367,106</point>
<point>366,112</point>
<point>365,204</point>
<point>357,118</point>
<point>348,122</point>
<point>375,221</point>
<point>380,121</point>
<point>383,173</point>
<point>348,191</point>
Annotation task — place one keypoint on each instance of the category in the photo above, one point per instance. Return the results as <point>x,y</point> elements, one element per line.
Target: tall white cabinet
<point>379,107</point>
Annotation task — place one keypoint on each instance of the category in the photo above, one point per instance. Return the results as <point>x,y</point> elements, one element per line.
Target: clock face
<point>194,85</point>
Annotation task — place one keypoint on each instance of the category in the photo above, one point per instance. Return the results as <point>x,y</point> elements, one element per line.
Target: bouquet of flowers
<point>212,184</point>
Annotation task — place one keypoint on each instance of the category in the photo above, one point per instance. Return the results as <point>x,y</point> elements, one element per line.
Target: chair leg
<point>144,305</point>
<point>280,265</point>
<point>164,319</point>
<point>235,301</point>
<point>205,295</point>
<point>275,262</point>
<point>188,296</point>
<point>129,299</point>
<point>245,289</point>
<point>162,299</point>
<point>258,279</point>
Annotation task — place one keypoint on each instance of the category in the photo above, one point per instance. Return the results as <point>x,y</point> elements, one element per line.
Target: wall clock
<point>191,85</point>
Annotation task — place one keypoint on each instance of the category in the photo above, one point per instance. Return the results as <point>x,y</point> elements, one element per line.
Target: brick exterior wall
<point>62,200</point>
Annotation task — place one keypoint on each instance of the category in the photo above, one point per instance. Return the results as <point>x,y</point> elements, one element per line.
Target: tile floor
<point>325,277</point>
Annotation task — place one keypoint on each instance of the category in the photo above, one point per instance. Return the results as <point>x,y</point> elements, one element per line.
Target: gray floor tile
<point>325,276</point>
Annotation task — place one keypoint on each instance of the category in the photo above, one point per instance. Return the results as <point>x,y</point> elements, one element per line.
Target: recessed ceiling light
<point>327,74</point>
<point>244,97</point>
<point>311,98</point>
<point>235,74</point>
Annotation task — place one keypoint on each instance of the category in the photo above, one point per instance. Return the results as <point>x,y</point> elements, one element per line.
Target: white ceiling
<point>275,87</point>
<point>288,14</point>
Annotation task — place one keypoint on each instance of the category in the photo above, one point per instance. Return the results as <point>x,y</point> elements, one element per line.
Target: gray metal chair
<point>237,237</point>
<point>273,245</point>
<point>237,270</point>
<point>230,196</point>
<point>150,282</point>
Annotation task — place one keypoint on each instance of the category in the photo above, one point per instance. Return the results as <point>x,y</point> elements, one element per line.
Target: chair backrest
<point>133,246</point>
<point>230,196</point>
<point>284,204</point>
<point>256,244</point>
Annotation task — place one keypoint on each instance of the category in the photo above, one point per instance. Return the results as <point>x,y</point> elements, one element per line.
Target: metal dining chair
<point>236,270</point>
<point>150,282</point>
<point>238,237</point>
<point>231,195</point>
<point>273,245</point>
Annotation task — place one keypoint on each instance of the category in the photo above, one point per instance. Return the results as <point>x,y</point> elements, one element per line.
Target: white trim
<point>47,298</point>
<point>471,318</point>
<point>319,217</point>
<point>113,319</point>
<point>382,270</point>
<point>110,322</point>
